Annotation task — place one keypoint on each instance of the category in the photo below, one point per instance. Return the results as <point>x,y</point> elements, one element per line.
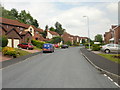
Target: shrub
<point>0,48</point>
<point>3,41</point>
<point>95,47</point>
<point>68,43</point>
<point>37,43</point>
<point>9,51</point>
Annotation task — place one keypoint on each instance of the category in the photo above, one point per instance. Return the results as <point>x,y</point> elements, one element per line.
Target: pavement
<point>12,61</point>
<point>65,68</point>
<point>110,67</point>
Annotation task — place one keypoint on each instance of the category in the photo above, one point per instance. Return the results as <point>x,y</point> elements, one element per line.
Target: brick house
<point>67,37</point>
<point>83,38</point>
<point>14,38</point>
<point>18,32</point>
<point>51,34</point>
<point>113,36</point>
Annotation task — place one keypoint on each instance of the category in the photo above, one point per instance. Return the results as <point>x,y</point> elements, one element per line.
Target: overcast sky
<point>102,14</point>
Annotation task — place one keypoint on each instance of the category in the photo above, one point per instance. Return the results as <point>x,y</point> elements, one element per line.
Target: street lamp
<point>88,30</point>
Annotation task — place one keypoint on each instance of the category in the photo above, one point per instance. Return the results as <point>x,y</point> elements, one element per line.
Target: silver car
<point>111,48</point>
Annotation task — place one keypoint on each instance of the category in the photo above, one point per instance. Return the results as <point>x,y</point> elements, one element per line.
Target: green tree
<point>4,41</point>
<point>14,13</point>
<point>52,29</point>
<point>98,38</point>
<point>59,28</point>
<point>44,34</point>
<point>46,27</point>
<point>83,41</point>
<point>68,43</point>
<point>56,40</point>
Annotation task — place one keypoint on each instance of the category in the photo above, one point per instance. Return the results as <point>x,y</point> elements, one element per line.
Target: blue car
<point>48,48</point>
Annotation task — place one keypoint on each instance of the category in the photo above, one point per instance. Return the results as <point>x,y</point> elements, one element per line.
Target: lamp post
<point>88,30</point>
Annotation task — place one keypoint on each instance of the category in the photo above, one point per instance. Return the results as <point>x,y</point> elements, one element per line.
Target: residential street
<point>65,68</point>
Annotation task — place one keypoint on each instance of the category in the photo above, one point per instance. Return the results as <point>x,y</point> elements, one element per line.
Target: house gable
<point>13,34</point>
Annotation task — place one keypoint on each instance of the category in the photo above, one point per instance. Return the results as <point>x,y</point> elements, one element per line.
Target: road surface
<point>65,68</point>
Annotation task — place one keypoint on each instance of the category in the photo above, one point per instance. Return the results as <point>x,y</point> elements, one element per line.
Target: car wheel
<point>27,48</point>
<point>107,51</point>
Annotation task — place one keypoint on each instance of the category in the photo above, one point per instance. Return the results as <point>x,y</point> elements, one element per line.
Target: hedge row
<point>37,43</point>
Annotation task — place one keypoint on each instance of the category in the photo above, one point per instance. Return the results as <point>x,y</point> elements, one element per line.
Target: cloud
<point>113,7</point>
<point>101,16</point>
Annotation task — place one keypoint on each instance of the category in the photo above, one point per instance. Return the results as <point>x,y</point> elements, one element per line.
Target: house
<point>14,38</point>
<point>51,34</point>
<point>18,32</point>
<point>67,37</point>
<point>83,38</point>
<point>113,36</point>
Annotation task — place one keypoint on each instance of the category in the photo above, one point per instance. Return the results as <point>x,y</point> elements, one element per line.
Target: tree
<point>56,40</point>
<point>52,29</point>
<point>83,41</point>
<point>59,28</point>
<point>46,27</point>
<point>69,43</point>
<point>4,41</point>
<point>98,38</point>
<point>14,13</point>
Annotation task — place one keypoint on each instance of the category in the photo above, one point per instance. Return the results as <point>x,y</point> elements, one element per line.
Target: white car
<point>111,48</point>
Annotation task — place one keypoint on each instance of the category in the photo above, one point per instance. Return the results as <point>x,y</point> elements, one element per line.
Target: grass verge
<point>22,52</point>
<point>111,57</point>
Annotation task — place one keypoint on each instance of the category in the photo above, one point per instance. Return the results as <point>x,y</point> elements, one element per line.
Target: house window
<point>30,29</point>
<point>7,26</point>
<point>21,29</point>
<point>37,32</point>
<point>36,38</point>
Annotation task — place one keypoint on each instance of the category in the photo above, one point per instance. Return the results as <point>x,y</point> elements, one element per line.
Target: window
<point>30,29</point>
<point>37,32</point>
<point>7,26</point>
<point>110,45</point>
<point>21,29</point>
<point>36,38</point>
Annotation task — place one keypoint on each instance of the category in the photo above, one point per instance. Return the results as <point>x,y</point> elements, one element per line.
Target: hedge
<point>37,43</point>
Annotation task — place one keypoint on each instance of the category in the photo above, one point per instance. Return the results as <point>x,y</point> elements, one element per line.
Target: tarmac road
<point>65,68</point>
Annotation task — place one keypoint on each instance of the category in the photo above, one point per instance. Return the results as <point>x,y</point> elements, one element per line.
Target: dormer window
<point>21,29</point>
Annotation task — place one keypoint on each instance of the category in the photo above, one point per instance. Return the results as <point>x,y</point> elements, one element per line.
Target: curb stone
<point>102,70</point>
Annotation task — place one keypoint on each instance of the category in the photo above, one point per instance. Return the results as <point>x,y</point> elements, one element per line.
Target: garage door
<point>9,43</point>
<point>15,43</point>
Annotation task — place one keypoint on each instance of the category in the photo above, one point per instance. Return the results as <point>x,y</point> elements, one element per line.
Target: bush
<point>9,51</point>
<point>68,43</point>
<point>95,47</point>
<point>37,43</point>
<point>3,41</point>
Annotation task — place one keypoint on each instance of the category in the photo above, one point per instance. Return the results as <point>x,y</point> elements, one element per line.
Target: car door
<point>112,47</point>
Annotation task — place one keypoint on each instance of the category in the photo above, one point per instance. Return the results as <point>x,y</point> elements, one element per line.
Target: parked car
<point>64,46</point>
<point>56,45</point>
<point>48,48</point>
<point>25,46</point>
<point>110,48</point>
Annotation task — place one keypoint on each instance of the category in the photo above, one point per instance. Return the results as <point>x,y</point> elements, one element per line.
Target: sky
<point>101,13</point>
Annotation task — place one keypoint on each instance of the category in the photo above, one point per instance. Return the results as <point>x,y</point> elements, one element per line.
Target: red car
<point>56,45</point>
<point>25,45</point>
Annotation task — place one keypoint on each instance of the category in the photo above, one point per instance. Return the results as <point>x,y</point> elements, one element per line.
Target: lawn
<point>22,52</point>
<point>112,57</point>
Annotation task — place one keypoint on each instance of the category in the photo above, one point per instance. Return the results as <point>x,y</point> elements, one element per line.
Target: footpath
<point>103,64</point>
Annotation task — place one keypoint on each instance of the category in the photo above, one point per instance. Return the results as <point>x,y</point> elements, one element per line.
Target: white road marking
<point>116,84</point>
<point>105,75</point>
<point>110,79</point>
